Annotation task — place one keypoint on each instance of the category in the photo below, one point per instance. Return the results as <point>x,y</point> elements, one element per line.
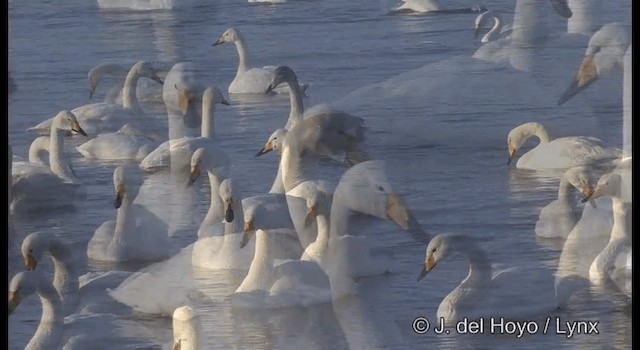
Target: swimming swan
<point>38,187</point>
<point>136,235</point>
<point>485,292</point>
<point>104,116</point>
<point>495,31</point>
<point>564,152</point>
<point>433,6</point>
<point>124,144</point>
<point>248,80</point>
<point>70,287</point>
<point>558,218</point>
<point>178,152</point>
<point>144,92</point>
<point>187,329</point>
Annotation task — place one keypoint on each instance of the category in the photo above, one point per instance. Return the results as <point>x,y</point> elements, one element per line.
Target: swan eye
<point>433,250</point>
<point>30,250</point>
<point>380,188</point>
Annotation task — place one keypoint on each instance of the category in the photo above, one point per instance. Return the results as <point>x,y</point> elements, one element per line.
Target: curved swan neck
<point>65,278</point>
<point>207,127</point>
<point>621,219</point>
<point>339,217</point>
<point>39,145</point>
<point>289,163</point>
<point>278,185</point>
<point>259,274</point>
<point>586,16</point>
<point>48,334</point>
<point>216,207</point>
<point>57,160</point>
<point>324,229</point>
<point>297,104</point>
<point>122,222</point>
<point>564,190</point>
<point>626,106</point>
<point>530,21</point>
<point>479,266</point>
<point>129,97</point>
<point>537,130</point>
<point>497,27</point>
<point>243,59</point>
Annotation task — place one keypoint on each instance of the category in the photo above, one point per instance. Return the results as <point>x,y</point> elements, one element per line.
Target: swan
<point>612,260</point>
<point>114,95</point>
<point>70,287</point>
<point>39,146</point>
<point>183,76</point>
<point>248,80</point>
<point>495,31</point>
<point>177,152</point>
<point>187,329</point>
<point>486,291</point>
<point>124,144</point>
<point>136,235</point>
<point>36,186</point>
<point>558,218</point>
<point>604,54</point>
<point>432,6</point>
<point>564,152</point>
<point>104,116</point>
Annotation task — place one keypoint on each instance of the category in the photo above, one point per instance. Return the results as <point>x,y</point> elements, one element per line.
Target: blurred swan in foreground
<point>136,234</point>
<point>487,292</point>
<point>124,144</point>
<point>105,116</point>
<point>71,288</point>
<point>178,152</point>
<point>248,80</point>
<point>38,187</point>
<point>613,261</point>
<point>558,218</point>
<point>187,329</point>
<point>434,6</point>
<point>563,152</point>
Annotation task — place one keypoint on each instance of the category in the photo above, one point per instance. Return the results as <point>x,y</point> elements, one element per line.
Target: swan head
<point>230,35</point>
<point>249,213</point>
<point>33,247</point>
<point>125,184</point>
<point>201,160</point>
<point>318,201</point>
<point>186,326</point>
<point>439,248</point>
<point>226,194</point>
<point>364,188</point>
<point>282,74</point>
<point>608,185</point>
<point>22,285</point>
<point>562,8</point>
<point>274,142</point>
<point>185,95</point>
<point>579,178</point>
<point>605,53</point>
<point>145,69</point>
<point>212,95</point>
<point>67,118</point>
<point>519,135</point>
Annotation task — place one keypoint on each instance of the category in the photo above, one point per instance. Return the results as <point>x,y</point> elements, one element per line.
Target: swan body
<point>38,187</point>
<point>136,235</point>
<point>187,329</point>
<point>124,144</point>
<point>486,292</point>
<point>178,152</point>
<point>433,6</point>
<point>558,218</point>
<point>564,152</point>
<point>248,80</point>
<point>105,116</point>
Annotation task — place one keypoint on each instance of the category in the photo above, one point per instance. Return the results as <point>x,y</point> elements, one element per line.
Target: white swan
<point>486,292</point>
<point>563,152</point>
<point>38,149</point>
<point>124,144</point>
<point>187,329</point>
<point>136,235</point>
<point>558,218</point>
<point>434,7</point>
<point>495,31</point>
<point>105,116</point>
<point>144,92</point>
<point>38,187</point>
<point>248,80</point>
<point>177,152</point>
<point>69,286</point>
<point>612,262</point>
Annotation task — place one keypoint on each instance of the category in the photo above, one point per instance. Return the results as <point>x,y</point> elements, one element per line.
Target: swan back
<point>187,329</point>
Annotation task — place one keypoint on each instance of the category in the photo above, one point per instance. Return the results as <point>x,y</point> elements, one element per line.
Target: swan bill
<point>220,41</point>
<point>512,153</point>
<point>428,266</point>
<point>268,147</point>
<point>75,127</point>
<point>154,76</point>
<point>562,8</point>
<point>228,214</point>
<point>224,101</point>
<point>311,215</point>
<point>195,173</point>
<point>119,196</point>
<point>176,345</point>
<point>587,74</point>
<point>269,89</point>
<point>14,301</point>
<point>30,262</point>
<point>183,100</point>
<point>248,232</point>
<point>397,211</point>
<point>597,193</point>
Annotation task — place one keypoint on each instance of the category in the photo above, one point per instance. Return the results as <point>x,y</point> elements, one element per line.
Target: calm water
<point>437,117</point>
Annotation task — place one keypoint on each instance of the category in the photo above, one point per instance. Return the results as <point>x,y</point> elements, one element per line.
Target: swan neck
<point>290,164</point>
<point>541,133</point>
<point>65,278</point>
<point>497,26</point>
<point>530,21</point>
<point>207,127</point>
<point>243,59</point>
<point>129,97</point>
<point>621,219</point>
<point>123,221</point>
<point>57,163</point>
<point>324,229</point>
<point>297,104</point>
<point>479,266</point>
<point>586,16</point>
<point>564,189</point>
<point>48,332</point>
<point>278,185</point>
<point>339,217</point>
<point>626,106</point>
<point>259,274</point>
